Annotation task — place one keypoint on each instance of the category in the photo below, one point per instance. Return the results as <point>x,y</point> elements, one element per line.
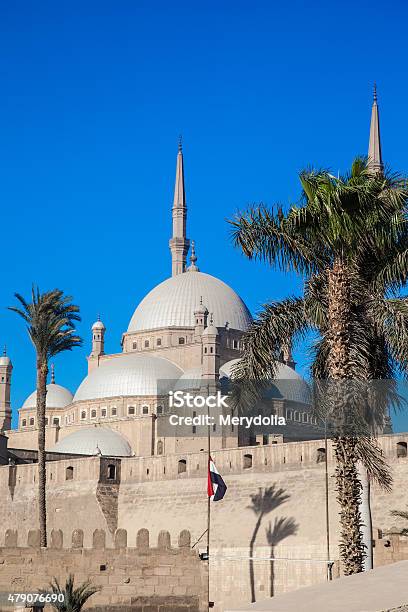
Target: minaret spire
<point>179,244</point>
<point>375,163</point>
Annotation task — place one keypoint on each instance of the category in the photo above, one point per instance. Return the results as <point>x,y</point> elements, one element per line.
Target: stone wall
<point>151,492</point>
<point>132,575</point>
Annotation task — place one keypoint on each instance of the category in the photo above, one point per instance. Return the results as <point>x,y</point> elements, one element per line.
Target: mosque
<point>185,334</point>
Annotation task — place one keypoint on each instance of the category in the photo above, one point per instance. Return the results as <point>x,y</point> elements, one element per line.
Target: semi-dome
<point>57,397</point>
<point>173,302</point>
<point>94,441</point>
<point>128,375</point>
<point>287,384</point>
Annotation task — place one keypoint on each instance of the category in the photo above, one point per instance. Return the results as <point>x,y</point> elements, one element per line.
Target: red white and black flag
<point>216,485</point>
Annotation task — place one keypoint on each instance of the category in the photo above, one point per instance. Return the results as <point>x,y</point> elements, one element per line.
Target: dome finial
<point>180,143</point>
<point>5,351</point>
<point>193,258</point>
<point>375,93</point>
<point>53,374</point>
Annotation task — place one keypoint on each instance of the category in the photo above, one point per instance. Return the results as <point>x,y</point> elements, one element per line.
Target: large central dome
<point>172,303</point>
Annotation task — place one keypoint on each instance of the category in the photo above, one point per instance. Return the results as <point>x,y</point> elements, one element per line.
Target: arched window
<point>56,421</point>
<point>46,420</point>
<point>32,421</point>
<point>160,447</point>
<point>93,414</point>
<point>247,461</point>
<point>159,409</point>
<point>83,415</point>
<point>24,422</point>
<point>158,341</point>
<point>182,340</point>
<point>69,473</point>
<point>111,471</point>
<point>113,411</point>
<point>305,417</point>
<point>103,412</point>
<point>205,350</point>
<point>321,455</point>
<point>145,409</point>
<point>134,346</point>
<point>401,449</point>
<point>131,410</point>
<point>182,466</point>
<point>146,343</point>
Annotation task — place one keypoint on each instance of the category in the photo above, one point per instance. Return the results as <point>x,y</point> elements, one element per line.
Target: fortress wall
<point>152,499</point>
<point>154,576</point>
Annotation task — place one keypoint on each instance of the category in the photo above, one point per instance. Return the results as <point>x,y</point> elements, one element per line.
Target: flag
<point>216,485</point>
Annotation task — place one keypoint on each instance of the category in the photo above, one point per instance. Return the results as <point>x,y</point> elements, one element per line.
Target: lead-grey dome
<point>287,384</point>
<point>173,302</point>
<point>128,375</point>
<point>57,397</point>
<point>94,441</point>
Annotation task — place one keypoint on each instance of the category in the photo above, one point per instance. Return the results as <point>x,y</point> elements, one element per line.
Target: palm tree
<point>349,241</point>
<point>74,599</point>
<point>50,319</point>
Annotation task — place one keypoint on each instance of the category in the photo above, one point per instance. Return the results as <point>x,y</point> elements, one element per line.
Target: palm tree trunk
<point>340,371</point>
<point>42,372</point>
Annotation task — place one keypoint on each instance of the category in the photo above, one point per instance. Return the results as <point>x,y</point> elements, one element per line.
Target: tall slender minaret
<point>179,244</point>
<point>374,147</point>
<point>6,368</point>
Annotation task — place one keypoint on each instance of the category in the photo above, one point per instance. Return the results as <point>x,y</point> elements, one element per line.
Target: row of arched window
<point>31,421</point>
<point>110,472</point>
<point>153,342</point>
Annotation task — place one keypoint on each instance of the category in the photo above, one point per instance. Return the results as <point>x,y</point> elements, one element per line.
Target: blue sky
<point>94,96</point>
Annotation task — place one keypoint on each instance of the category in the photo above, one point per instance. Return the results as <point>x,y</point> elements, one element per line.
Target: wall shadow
<point>262,503</point>
<point>282,528</point>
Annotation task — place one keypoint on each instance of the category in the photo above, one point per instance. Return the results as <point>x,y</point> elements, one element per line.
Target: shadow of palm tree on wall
<point>282,528</point>
<point>262,503</point>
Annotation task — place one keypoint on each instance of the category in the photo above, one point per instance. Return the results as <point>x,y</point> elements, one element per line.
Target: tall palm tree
<point>50,319</point>
<point>349,240</point>
<point>74,598</point>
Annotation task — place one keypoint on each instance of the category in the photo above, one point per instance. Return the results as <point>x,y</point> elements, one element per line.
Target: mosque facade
<point>185,334</point>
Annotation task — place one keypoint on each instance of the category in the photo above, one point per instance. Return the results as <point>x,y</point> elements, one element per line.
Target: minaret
<point>210,357</point>
<point>375,163</point>
<point>200,320</point>
<point>98,338</point>
<point>178,243</point>
<point>6,368</point>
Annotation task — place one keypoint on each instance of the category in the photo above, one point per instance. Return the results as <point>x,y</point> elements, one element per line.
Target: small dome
<point>288,384</point>
<point>5,360</point>
<point>210,330</point>
<point>172,303</point>
<point>94,441</point>
<point>191,379</point>
<point>128,375</point>
<point>98,325</point>
<point>57,397</point>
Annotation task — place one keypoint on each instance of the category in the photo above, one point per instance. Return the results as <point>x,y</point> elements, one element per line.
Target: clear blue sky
<point>94,95</point>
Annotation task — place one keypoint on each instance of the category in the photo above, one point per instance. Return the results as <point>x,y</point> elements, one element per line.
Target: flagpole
<point>208,497</point>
